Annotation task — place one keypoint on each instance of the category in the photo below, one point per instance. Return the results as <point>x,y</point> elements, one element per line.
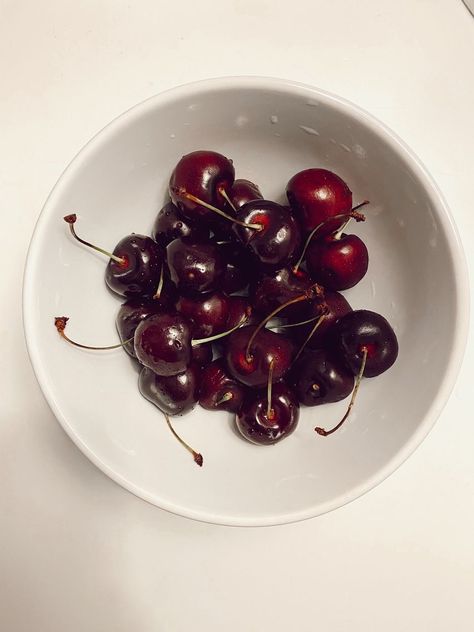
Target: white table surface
<point>77,552</point>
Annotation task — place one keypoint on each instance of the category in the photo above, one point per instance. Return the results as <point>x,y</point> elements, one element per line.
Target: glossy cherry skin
<point>202,174</point>
<point>170,224</point>
<point>243,191</point>
<point>202,354</point>
<point>316,195</point>
<point>130,315</point>
<point>207,312</point>
<point>337,263</point>
<point>239,267</point>
<point>163,343</point>
<point>217,385</point>
<point>267,346</point>
<point>276,287</point>
<point>363,329</point>
<point>139,275</point>
<point>239,310</point>
<point>279,240</point>
<point>174,394</point>
<point>317,377</point>
<point>195,266</point>
<point>335,306</point>
<point>254,423</point>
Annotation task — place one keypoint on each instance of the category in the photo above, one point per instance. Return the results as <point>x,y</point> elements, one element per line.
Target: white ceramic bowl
<point>417,279</point>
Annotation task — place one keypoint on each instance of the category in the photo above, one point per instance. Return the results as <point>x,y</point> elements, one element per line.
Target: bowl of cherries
<point>284,309</point>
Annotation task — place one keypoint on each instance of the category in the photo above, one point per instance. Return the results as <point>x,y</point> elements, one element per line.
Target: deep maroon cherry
<point>135,265</point>
<point>363,332</point>
<point>316,195</point>
<point>205,176</point>
<point>239,310</point>
<point>277,242</point>
<point>239,266</point>
<point>171,224</point>
<point>276,287</point>
<point>130,315</point>
<point>336,307</point>
<point>337,261</point>
<point>218,390</point>
<point>318,378</point>
<point>263,425</point>
<point>163,343</point>
<point>174,394</point>
<point>195,266</point>
<point>207,312</point>
<point>243,191</point>
<point>202,354</point>
<point>251,366</point>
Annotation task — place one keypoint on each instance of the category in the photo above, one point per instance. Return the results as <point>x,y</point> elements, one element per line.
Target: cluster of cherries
<point>221,265</point>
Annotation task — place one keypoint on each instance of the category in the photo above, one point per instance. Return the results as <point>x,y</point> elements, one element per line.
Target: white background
<point>78,553</point>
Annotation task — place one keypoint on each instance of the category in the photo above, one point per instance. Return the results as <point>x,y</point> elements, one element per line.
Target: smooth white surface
<point>76,551</point>
<point>116,185</point>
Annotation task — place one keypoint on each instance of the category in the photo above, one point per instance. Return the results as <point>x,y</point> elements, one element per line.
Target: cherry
<point>239,310</point>
<point>173,394</point>
<point>195,266</point>
<point>243,191</point>
<point>202,354</point>
<point>251,366</point>
<point>337,261</point>
<point>265,420</point>
<point>130,315</point>
<point>162,343</point>
<point>316,195</point>
<point>171,224</point>
<point>318,378</point>
<point>218,390</point>
<point>239,267</point>
<point>208,313</point>
<point>135,266</point>
<point>278,240</point>
<point>276,287</point>
<point>336,306</point>
<point>365,331</point>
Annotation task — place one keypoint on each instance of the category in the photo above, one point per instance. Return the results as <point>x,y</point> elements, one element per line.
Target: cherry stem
<point>312,292</point>
<point>225,398</point>
<point>60,324</point>
<point>157,294</point>
<point>352,214</point>
<point>71,220</point>
<point>303,322</point>
<point>196,455</point>
<point>325,433</point>
<point>270,411</point>
<point>223,192</point>
<point>338,235</point>
<point>201,341</point>
<point>309,336</point>
<point>214,209</point>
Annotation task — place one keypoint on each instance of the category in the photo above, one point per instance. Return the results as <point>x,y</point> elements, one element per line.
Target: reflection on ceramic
<point>416,278</point>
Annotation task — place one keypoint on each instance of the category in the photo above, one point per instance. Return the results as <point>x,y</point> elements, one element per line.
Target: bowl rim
<point>444,215</point>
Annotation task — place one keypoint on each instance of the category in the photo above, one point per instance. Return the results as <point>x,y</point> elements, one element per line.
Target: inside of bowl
<point>116,187</point>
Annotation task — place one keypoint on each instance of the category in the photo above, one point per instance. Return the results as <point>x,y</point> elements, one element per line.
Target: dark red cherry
<point>274,288</point>
<point>251,366</point>
<point>278,241</point>
<point>203,175</point>
<point>130,315</point>
<point>336,306</point>
<point>363,331</point>
<point>173,394</point>
<point>243,191</point>
<point>170,224</point>
<point>195,266</point>
<point>207,312</point>
<point>337,261</point>
<point>316,195</point>
<point>239,266</point>
<point>163,343</point>
<point>202,354</point>
<point>218,390</point>
<point>239,310</point>
<point>256,425</point>
<point>318,378</point>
